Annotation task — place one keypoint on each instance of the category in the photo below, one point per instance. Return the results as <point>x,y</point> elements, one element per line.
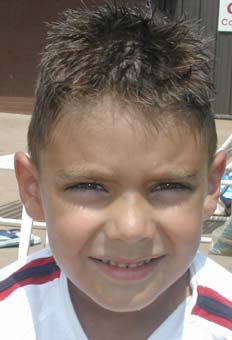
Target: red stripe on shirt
<point>29,281</point>
<point>37,262</point>
<point>210,317</point>
<point>18,279</point>
<point>214,295</point>
<point>212,314</point>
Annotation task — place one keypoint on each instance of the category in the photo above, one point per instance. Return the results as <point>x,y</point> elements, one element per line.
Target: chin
<point>122,306</point>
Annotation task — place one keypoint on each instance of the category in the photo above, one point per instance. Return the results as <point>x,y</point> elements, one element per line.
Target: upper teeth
<point>126,265</point>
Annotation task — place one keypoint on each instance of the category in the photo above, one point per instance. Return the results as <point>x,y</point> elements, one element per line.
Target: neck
<point>98,322</point>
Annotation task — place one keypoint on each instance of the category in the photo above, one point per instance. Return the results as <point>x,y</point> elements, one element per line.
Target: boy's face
<point>124,205</point>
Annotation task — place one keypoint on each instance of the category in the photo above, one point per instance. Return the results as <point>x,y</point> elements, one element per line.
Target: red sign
<point>225,16</point>
<point>229,8</point>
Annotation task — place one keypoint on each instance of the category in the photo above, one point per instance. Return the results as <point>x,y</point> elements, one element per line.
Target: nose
<point>130,219</point>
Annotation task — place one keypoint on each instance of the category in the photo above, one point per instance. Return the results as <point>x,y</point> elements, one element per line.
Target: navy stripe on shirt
<point>213,307</point>
<point>36,272</point>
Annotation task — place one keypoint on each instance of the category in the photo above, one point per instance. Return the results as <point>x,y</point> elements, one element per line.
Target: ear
<point>215,173</point>
<point>27,178</point>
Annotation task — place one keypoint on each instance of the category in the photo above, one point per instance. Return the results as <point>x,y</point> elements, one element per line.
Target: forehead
<point>107,131</point>
<point>108,110</point>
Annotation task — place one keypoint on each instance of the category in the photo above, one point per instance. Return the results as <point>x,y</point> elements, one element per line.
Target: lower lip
<point>128,274</point>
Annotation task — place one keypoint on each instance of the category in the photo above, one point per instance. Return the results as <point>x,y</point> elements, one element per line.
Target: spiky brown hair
<point>153,62</point>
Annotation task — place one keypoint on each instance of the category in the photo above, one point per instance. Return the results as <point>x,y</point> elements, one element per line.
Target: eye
<point>169,194</point>
<point>84,187</point>
<point>171,186</point>
<point>93,195</point>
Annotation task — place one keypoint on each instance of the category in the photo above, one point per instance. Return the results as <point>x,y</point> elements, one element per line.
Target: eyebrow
<point>180,174</point>
<point>86,173</point>
<point>81,173</point>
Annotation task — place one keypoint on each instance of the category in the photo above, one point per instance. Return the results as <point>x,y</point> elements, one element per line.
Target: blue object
<point>226,195</point>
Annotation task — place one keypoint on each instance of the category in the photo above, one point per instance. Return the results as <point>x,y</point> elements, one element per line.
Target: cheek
<point>182,227</point>
<point>71,230</point>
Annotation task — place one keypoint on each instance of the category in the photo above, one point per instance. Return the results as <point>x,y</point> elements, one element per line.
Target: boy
<point>123,171</point>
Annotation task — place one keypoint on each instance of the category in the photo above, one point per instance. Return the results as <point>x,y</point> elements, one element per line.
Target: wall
<point>206,11</point>
<point>22,33</point>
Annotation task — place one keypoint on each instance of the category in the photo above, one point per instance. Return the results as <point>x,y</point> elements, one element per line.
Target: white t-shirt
<point>35,304</point>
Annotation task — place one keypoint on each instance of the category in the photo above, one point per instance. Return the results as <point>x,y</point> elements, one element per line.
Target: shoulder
<point>210,274</point>
<point>38,269</point>
<point>213,304</point>
<point>28,294</point>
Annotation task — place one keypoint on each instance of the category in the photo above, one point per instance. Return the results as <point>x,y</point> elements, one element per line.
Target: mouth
<point>125,263</point>
<point>125,269</point>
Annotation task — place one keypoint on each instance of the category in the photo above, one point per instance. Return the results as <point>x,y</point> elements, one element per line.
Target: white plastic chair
<point>25,223</point>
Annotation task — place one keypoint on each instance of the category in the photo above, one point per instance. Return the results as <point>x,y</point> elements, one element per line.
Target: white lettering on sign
<point>225,16</point>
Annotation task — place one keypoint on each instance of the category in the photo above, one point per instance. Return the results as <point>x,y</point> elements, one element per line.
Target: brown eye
<point>86,187</point>
<point>88,194</point>
<point>171,186</point>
